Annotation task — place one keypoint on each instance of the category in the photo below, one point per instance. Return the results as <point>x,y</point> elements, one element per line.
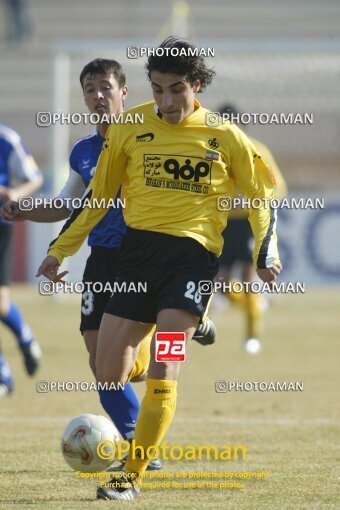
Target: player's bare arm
<point>73,188</point>
<point>11,211</point>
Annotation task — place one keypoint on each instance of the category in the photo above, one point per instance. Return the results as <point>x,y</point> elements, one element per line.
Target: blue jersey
<point>16,165</point>
<point>83,160</point>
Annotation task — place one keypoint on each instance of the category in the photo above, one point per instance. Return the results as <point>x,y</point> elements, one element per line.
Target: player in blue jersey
<point>104,89</point>
<point>19,177</point>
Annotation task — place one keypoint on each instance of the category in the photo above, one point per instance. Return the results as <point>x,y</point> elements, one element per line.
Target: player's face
<point>103,95</point>
<point>174,95</point>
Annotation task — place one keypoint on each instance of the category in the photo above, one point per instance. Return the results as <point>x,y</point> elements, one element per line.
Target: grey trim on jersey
<point>74,188</point>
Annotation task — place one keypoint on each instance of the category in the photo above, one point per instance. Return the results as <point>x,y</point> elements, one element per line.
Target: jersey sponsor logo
<point>171,171</point>
<point>147,137</point>
<point>187,172</point>
<point>170,346</point>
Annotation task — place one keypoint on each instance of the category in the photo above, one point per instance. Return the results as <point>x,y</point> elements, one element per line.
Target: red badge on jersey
<point>170,346</point>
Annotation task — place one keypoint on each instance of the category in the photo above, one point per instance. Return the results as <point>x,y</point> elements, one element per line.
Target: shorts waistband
<point>160,237</point>
<point>104,249</point>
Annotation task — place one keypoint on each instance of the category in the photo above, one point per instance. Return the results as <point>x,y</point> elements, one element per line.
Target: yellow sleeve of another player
<point>256,182</point>
<point>280,190</point>
<point>103,187</point>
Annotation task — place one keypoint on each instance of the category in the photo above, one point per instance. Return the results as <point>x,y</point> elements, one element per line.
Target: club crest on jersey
<point>213,143</point>
<point>212,156</point>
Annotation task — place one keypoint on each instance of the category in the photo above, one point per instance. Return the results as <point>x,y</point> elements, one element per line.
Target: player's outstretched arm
<point>51,211</point>
<point>11,211</point>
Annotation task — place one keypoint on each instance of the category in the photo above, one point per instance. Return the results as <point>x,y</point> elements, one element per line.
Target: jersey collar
<point>197,106</point>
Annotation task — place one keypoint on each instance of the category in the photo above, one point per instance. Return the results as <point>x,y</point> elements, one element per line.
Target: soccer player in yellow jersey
<point>238,245</point>
<point>170,178</point>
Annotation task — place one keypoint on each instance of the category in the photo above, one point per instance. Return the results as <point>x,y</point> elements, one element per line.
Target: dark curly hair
<point>104,66</point>
<point>190,65</point>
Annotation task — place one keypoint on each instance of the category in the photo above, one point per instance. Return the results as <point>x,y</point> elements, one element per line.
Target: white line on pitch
<point>189,421</point>
<point>257,421</point>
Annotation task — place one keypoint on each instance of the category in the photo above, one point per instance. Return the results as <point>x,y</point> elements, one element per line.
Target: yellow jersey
<point>171,177</point>
<point>280,189</point>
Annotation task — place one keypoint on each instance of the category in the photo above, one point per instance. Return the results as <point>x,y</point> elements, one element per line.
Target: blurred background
<point>270,56</point>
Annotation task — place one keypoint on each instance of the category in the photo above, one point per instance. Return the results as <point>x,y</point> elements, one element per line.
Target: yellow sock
<point>154,418</point>
<point>254,314</point>
<point>142,360</point>
<point>250,302</point>
<point>238,298</point>
<point>206,310</point>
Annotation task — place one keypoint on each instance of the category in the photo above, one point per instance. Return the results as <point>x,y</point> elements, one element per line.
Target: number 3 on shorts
<point>88,299</point>
<point>192,293</point>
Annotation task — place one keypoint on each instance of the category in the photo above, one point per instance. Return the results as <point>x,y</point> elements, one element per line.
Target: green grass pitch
<point>294,436</point>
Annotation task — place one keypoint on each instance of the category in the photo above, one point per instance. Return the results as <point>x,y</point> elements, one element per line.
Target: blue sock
<point>15,322</point>
<point>5,372</point>
<point>122,405</point>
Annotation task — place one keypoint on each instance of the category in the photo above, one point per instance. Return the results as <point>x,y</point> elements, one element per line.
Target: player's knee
<point>163,370</point>
<point>90,339</point>
<point>110,379</point>
<point>106,375</point>
<point>139,378</point>
<point>2,311</point>
<point>4,304</point>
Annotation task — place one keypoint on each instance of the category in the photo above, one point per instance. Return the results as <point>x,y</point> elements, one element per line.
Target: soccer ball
<point>252,346</point>
<point>80,439</point>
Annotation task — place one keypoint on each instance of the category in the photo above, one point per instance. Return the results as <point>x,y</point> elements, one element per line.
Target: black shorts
<point>170,268</point>
<point>101,266</point>
<point>238,242</point>
<point>6,235</point>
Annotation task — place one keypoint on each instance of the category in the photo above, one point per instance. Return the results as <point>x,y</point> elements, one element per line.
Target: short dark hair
<point>191,66</point>
<point>104,66</point>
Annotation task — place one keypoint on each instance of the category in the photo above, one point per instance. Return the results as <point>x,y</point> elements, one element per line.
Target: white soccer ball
<point>80,439</point>
<point>252,346</point>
